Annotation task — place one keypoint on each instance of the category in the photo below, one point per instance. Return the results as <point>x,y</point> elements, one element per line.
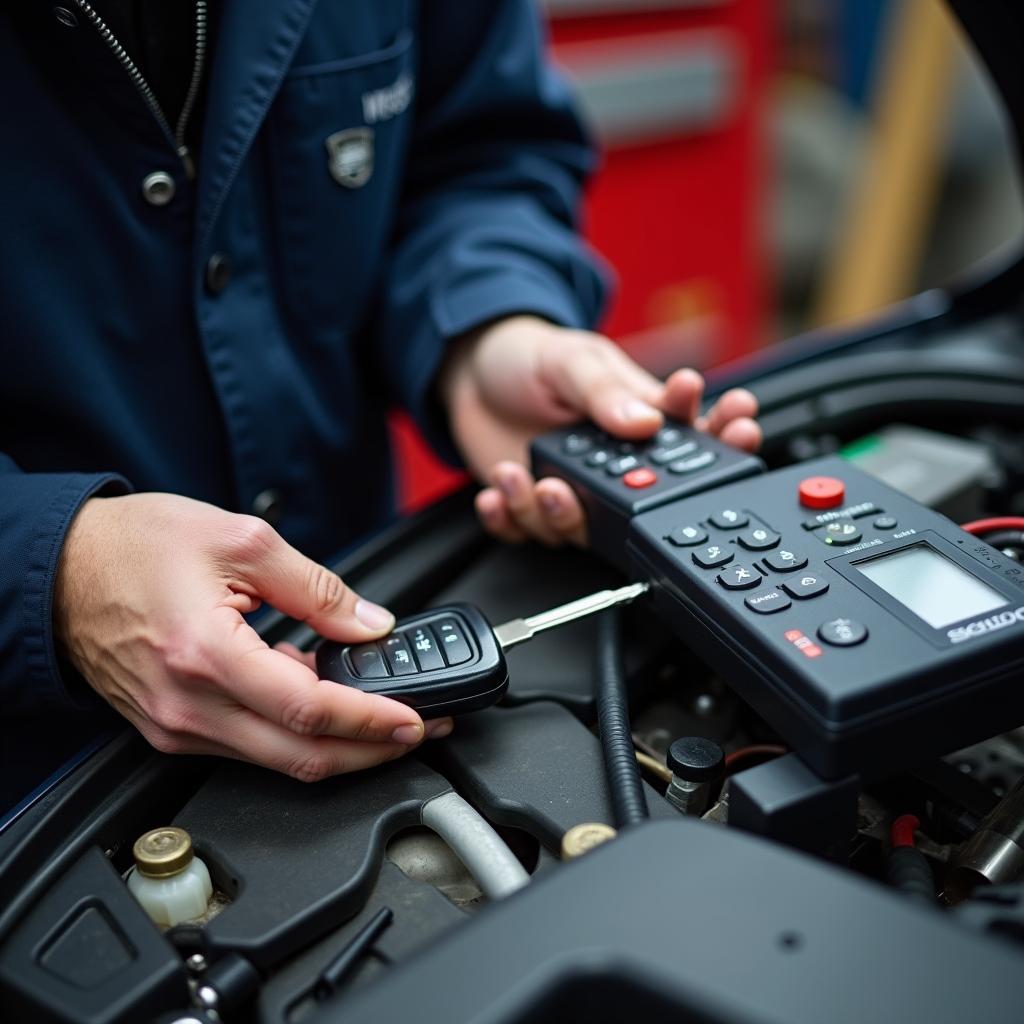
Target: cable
<point>907,868</point>
<point>765,750</point>
<point>625,786</point>
<point>492,864</point>
<point>654,766</point>
<point>982,526</point>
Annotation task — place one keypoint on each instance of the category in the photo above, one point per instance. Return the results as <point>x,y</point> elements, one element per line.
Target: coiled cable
<point>625,786</point>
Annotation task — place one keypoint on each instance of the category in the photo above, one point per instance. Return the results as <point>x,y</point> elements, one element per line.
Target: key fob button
<point>712,556</point>
<point>368,662</point>
<point>664,454</point>
<point>693,463</point>
<point>687,536</point>
<point>399,656</point>
<point>758,539</point>
<point>623,464</point>
<point>739,577</point>
<point>450,639</point>
<point>803,587</point>
<point>424,648</point>
<point>785,560</point>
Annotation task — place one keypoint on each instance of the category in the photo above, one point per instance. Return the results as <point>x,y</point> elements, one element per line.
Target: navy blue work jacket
<point>375,177</point>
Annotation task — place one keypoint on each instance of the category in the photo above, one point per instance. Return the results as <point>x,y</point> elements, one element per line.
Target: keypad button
<point>640,478</point>
<point>693,463</point>
<point>843,632</point>
<point>803,587</point>
<point>368,662</point>
<point>758,539</point>
<point>577,444</point>
<point>452,642</point>
<point>841,533</point>
<point>739,577</point>
<point>598,458</point>
<point>623,464</point>
<point>669,436</point>
<point>785,560</point>
<point>886,523</point>
<point>730,519</point>
<point>821,492</point>
<point>400,659</point>
<point>664,454</point>
<point>768,602</point>
<point>865,508</point>
<point>687,536</point>
<point>712,556</point>
<point>424,647</point>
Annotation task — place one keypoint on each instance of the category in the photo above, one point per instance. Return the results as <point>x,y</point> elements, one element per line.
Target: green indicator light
<point>863,446</point>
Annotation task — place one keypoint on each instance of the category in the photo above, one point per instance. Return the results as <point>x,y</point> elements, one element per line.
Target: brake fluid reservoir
<point>169,880</point>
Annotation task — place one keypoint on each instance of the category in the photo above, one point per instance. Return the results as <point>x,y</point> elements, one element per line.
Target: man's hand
<point>519,377</point>
<point>151,591</point>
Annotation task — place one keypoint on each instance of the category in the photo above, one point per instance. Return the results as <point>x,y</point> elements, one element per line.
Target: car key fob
<point>617,479</point>
<point>445,661</point>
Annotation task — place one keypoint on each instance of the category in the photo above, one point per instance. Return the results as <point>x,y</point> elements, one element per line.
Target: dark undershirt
<point>159,36</point>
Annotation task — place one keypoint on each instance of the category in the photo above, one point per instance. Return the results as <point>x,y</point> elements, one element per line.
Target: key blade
<point>518,631</point>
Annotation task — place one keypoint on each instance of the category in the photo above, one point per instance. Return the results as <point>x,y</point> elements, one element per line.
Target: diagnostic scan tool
<point>866,628</point>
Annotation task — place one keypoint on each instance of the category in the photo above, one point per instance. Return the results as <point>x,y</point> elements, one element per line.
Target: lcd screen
<point>932,586</point>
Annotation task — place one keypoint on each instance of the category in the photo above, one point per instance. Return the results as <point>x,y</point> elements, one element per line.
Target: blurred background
<point>772,166</point>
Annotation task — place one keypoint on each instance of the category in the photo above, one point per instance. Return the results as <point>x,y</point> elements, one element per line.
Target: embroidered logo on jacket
<point>350,156</point>
<point>392,100</point>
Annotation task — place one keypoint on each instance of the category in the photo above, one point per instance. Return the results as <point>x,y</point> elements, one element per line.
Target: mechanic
<point>235,234</point>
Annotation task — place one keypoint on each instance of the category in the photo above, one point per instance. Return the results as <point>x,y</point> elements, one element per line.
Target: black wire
<point>625,786</point>
<point>1003,539</point>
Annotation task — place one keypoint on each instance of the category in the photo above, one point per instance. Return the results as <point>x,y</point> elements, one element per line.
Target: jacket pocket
<point>337,139</point>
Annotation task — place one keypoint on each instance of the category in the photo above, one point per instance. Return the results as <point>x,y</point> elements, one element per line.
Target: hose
<point>625,786</point>
<point>487,857</point>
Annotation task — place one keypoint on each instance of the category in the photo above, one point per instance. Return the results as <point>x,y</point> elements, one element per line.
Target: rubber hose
<point>909,871</point>
<point>625,786</point>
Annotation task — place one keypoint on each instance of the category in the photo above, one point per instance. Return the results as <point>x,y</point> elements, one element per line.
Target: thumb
<point>306,590</point>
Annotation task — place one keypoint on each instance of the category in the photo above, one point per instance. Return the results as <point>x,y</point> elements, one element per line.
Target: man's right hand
<point>150,594</point>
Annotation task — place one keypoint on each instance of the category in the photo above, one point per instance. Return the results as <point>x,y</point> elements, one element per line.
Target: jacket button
<point>158,188</point>
<point>66,17</point>
<point>269,505</point>
<point>218,273</point>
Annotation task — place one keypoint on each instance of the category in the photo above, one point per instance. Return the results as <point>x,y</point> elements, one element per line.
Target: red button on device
<point>821,492</point>
<point>642,477</point>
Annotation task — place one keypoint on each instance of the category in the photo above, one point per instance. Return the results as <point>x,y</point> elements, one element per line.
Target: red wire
<point>902,831</point>
<point>755,749</point>
<point>980,526</point>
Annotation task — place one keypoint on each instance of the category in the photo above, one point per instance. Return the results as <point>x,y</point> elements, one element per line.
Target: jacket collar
<point>256,43</point>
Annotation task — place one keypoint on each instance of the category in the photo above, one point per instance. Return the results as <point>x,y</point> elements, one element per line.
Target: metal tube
<point>494,866</point>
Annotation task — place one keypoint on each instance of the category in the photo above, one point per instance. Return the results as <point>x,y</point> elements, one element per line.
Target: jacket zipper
<point>176,137</point>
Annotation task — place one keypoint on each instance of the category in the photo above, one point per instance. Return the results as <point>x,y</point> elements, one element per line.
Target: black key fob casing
<point>445,661</point>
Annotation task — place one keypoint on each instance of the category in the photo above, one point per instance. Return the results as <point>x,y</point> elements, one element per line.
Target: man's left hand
<point>522,376</point>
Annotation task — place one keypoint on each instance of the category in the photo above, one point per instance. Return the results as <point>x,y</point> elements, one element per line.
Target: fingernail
<point>372,616</point>
<point>509,484</point>
<point>408,734</point>
<point>439,729</point>
<point>634,409</point>
<point>551,503</point>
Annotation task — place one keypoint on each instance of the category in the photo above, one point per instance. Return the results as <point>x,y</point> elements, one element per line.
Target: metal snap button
<point>158,188</point>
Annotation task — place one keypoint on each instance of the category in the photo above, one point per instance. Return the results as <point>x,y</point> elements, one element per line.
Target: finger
<point>683,392</point>
<point>306,758</point>
<point>302,588</point>
<point>286,692</point>
<point>516,486</point>
<point>602,382</point>
<point>562,510</point>
<point>743,433</point>
<point>735,404</point>
<point>438,728</point>
<point>307,658</point>
<point>493,512</point>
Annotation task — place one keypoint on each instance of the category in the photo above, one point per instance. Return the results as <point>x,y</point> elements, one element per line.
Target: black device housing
<point>434,693</point>
<point>908,690</point>
<point>609,502</point>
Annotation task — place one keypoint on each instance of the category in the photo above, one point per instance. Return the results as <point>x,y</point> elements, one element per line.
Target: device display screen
<point>931,585</point>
